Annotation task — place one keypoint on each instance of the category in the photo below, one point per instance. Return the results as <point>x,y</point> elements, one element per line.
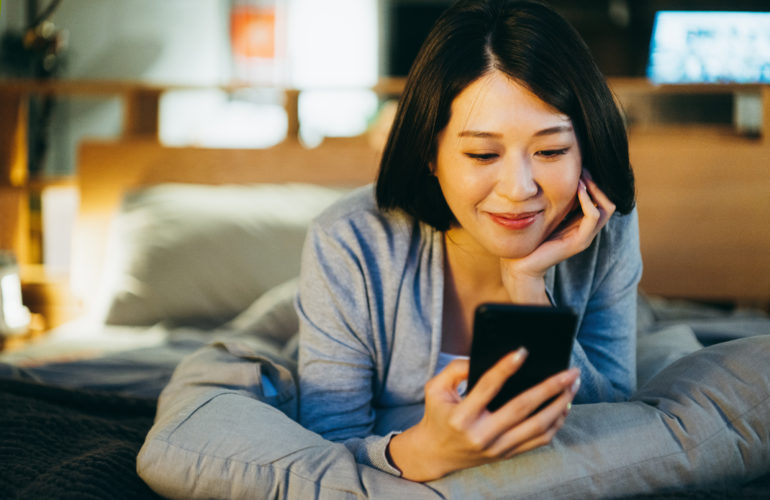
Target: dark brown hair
<point>536,47</point>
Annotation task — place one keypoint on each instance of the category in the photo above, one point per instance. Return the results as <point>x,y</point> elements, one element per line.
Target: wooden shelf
<point>692,179</point>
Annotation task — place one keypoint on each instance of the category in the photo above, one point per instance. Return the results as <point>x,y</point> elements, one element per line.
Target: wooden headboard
<point>703,200</point>
<point>109,169</point>
<point>704,216</point>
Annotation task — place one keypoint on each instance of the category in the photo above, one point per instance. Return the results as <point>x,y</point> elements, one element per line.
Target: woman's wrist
<point>523,289</point>
<point>406,453</point>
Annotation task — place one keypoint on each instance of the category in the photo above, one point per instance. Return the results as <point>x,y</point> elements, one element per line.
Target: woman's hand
<point>457,433</point>
<point>524,278</point>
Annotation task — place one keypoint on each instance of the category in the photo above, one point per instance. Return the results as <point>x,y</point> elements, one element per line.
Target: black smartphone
<point>498,329</point>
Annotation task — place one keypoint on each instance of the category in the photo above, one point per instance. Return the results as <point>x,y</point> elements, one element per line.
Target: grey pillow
<point>657,349</point>
<point>271,316</point>
<point>701,422</point>
<point>204,253</point>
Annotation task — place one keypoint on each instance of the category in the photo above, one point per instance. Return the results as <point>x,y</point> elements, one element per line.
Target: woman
<point>505,179</point>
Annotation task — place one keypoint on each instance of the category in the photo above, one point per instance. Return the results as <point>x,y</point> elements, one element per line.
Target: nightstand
<point>47,295</point>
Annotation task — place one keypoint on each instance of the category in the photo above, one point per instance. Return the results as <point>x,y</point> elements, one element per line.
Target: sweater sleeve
<point>336,307</point>
<point>606,347</point>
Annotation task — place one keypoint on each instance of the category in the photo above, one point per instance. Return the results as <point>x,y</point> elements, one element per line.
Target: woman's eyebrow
<point>558,129</point>
<point>479,133</point>
<point>554,130</point>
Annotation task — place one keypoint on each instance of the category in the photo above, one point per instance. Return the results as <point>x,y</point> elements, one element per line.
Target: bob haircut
<point>538,49</point>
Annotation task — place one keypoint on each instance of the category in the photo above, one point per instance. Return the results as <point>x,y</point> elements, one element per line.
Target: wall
<point>173,41</point>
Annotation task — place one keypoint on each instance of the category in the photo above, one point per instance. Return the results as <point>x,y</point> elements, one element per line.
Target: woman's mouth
<point>515,220</point>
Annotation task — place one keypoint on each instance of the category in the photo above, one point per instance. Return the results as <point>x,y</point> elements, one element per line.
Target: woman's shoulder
<point>357,226</point>
<point>355,202</point>
<point>622,231</point>
<point>617,242</point>
<point>358,211</point>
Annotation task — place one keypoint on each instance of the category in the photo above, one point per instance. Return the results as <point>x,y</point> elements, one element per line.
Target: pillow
<point>217,435</point>
<point>193,253</point>
<point>700,423</point>
<point>657,349</point>
<point>271,316</point>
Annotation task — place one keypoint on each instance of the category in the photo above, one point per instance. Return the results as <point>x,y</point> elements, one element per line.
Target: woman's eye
<point>552,153</point>
<point>481,156</point>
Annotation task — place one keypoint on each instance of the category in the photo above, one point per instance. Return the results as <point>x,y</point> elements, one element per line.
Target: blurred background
<point>335,50</point>
<point>249,74</point>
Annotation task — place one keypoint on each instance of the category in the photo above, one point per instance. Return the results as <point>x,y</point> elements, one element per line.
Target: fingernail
<point>519,355</point>
<point>575,385</point>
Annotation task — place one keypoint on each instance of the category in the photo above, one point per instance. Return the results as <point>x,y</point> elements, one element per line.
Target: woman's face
<point>508,165</point>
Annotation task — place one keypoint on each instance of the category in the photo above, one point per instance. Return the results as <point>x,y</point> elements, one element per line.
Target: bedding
<point>192,252</point>
<point>62,443</point>
<point>228,300</point>
<point>700,423</point>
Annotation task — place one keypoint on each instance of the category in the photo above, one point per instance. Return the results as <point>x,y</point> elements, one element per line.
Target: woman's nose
<point>515,180</point>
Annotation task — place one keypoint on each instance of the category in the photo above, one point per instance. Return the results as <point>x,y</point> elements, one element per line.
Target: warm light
<point>14,313</point>
<point>14,317</point>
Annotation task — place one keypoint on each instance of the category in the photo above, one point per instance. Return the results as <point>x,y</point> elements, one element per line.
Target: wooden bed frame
<point>703,200</point>
<point>107,170</point>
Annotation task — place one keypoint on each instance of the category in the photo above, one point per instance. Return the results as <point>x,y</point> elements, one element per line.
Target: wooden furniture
<point>703,194</point>
<point>108,169</point>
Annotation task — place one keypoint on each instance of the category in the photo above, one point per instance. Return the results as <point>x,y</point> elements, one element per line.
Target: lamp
<point>14,317</point>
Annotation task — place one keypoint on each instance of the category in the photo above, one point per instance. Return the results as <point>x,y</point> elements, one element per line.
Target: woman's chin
<point>515,251</point>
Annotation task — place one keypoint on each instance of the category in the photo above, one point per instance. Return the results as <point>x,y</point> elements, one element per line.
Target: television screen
<point>710,47</point>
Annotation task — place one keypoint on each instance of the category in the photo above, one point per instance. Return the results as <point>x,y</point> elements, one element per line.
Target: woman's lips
<point>515,221</point>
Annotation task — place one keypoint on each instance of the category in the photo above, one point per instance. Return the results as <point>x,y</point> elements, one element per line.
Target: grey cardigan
<point>370,307</point>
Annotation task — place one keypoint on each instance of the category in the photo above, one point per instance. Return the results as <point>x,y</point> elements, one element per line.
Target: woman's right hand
<point>457,433</point>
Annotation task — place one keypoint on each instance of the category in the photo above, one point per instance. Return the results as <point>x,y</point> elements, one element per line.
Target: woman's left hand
<point>523,278</point>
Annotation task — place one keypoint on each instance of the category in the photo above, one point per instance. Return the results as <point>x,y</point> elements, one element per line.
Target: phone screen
<point>498,329</point>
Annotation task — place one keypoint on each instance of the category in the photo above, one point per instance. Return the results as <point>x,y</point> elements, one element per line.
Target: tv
<point>710,47</point>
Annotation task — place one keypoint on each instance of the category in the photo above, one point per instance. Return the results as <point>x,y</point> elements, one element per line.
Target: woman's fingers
<point>517,421</point>
<point>597,209</point>
<point>538,441</point>
<point>530,400</point>
<point>446,382</point>
<point>602,201</point>
<point>490,383</point>
<point>541,426</point>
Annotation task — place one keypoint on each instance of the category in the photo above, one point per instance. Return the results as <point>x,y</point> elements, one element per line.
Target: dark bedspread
<point>80,444</point>
<point>62,443</point>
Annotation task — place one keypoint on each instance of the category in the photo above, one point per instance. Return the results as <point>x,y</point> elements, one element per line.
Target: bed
<point>185,254</point>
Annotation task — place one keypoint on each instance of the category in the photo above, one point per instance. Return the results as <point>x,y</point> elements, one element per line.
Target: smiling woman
<point>508,166</point>
<point>486,193</point>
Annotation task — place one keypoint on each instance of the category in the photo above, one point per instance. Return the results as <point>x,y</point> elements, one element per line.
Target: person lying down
<point>506,180</point>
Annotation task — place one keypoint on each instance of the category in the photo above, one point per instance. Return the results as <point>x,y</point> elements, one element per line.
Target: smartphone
<point>498,329</point>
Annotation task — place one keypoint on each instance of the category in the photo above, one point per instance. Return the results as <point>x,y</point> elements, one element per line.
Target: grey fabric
<point>657,349</point>
<point>271,316</point>
<point>187,252</point>
<point>370,306</point>
<point>710,324</point>
<point>701,422</point>
<point>216,435</point>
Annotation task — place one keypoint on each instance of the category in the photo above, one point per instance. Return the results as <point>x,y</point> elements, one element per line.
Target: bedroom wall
<point>169,41</point>
<point>333,43</point>
<point>181,41</point>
